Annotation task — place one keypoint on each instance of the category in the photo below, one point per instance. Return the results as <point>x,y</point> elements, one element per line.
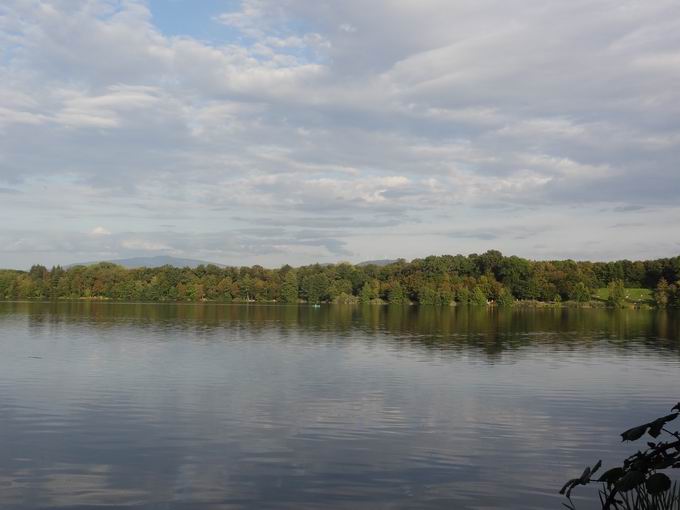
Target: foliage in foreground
<point>489,278</point>
<point>640,483</point>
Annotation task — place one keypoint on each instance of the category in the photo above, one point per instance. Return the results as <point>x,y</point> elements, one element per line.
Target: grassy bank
<point>634,296</point>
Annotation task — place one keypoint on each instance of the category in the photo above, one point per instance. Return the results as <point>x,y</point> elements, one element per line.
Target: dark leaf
<point>670,417</point>
<point>658,483</point>
<point>612,475</point>
<point>664,462</point>
<point>642,464</point>
<point>676,407</point>
<point>585,477</point>
<point>597,466</point>
<point>635,433</point>
<point>630,480</point>
<point>656,426</point>
<point>567,485</point>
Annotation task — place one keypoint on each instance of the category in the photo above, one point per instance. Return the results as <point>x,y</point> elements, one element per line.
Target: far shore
<point>594,304</point>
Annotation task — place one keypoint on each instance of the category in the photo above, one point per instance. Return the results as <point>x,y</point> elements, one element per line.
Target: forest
<point>487,279</point>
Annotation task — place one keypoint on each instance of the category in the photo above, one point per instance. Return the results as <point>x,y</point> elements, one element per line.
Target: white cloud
<point>420,113</point>
<point>144,245</point>
<point>100,231</point>
<point>346,27</point>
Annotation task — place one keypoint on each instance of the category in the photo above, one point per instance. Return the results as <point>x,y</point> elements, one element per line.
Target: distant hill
<point>381,262</point>
<point>158,261</point>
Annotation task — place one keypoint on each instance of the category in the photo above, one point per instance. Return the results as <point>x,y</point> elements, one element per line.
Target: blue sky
<point>297,131</point>
<point>194,19</point>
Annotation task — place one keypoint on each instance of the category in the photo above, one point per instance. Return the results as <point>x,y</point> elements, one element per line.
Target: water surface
<point>148,406</point>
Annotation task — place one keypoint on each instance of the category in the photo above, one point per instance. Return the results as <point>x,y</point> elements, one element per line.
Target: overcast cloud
<point>296,131</point>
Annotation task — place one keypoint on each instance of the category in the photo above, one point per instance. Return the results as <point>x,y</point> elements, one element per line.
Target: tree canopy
<point>436,280</point>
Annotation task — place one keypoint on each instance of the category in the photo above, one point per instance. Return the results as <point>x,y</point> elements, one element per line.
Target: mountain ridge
<point>380,262</point>
<point>156,261</point>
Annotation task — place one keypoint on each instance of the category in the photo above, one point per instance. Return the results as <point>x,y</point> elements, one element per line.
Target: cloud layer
<point>317,130</point>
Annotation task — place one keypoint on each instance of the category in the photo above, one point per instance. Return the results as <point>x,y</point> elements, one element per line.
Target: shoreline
<point>594,304</point>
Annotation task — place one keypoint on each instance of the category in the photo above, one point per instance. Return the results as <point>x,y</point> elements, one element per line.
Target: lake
<point>167,406</point>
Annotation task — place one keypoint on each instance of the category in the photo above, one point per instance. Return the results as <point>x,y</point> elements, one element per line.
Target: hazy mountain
<point>166,260</point>
<point>158,261</point>
<point>381,262</point>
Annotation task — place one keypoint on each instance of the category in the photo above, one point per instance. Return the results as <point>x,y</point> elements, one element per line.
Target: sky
<point>297,131</point>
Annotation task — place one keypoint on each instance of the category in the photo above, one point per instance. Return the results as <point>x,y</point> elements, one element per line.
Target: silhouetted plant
<point>639,483</point>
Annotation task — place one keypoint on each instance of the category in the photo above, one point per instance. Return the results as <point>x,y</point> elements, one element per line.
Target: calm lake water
<point>338,407</point>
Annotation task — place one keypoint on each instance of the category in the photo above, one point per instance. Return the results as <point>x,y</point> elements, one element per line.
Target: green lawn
<point>632,295</point>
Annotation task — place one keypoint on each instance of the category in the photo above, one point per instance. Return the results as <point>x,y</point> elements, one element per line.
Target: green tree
<point>315,287</point>
<point>396,294</point>
<point>289,288</point>
<point>617,294</point>
<point>674,295</point>
<point>463,296</point>
<point>505,298</point>
<point>247,287</point>
<point>433,280</point>
<point>369,292</point>
<point>340,287</point>
<point>427,296</point>
<point>366,293</point>
<point>580,293</point>
<point>478,297</point>
<point>7,283</point>
<point>514,273</point>
<point>196,292</point>
<point>662,293</point>
<point>224,288</point>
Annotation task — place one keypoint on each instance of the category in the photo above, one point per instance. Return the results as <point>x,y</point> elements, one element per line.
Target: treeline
<point>436,280</point>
